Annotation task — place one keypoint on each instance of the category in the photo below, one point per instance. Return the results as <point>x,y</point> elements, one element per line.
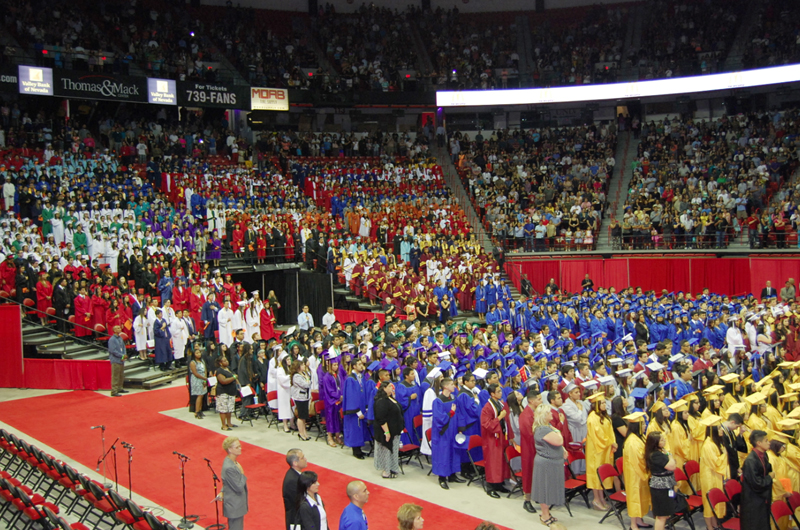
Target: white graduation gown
<point>225,320</point>
<point>140,333</point>
<point>427,419</point>
<point>284,394</point>
<point>253,323</point>
<point>180,336</point>
<point>272,382</point>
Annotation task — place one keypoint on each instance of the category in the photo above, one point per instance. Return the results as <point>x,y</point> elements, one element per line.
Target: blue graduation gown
<point>370,389</point>
<point>411,408</point>
<point>209,314</point>
<point>444,459</point>
<point>353,401</point>
<point>468,416</point>
<point>163,351</point>
<point>480,305</point>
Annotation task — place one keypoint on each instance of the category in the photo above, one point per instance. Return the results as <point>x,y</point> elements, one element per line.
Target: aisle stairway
<point>627,148</point>
<point>44,342</point>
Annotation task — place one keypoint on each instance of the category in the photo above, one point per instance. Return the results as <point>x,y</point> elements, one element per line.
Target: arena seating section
<point>438,49</point>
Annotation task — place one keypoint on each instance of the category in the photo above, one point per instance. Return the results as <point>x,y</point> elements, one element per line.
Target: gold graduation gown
<point>655,427</point>
<point>681,444</point>
<point>637,478</point>
<point>780,468</point>
<point>599,439</point>
<point>713,471</point>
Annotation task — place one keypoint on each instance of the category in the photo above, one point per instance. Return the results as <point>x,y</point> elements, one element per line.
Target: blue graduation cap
<point>539,356</point>
<point>597,335</point>
<point>392,366</point>
<point>492,358</point>
<point>511,372</point>
<point>651,347</point>
<point>461,372</point>
<point>373,366</point>
<point>668,385</point>
<point>639,393</point>
<point>443,366</point>
<point>581,336</point>
<point>579,350</point>
<point>693,342</point>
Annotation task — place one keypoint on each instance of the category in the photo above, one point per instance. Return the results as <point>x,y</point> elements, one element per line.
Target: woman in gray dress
<point>234,485</point>
<point>548,466</point>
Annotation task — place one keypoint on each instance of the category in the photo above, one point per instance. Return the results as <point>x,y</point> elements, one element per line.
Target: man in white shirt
<point>304,320</point>
<point>328,318</point>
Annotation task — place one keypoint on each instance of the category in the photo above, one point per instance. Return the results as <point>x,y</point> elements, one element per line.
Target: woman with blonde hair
<point>548,465</point>
<point>234,484</point>
<point>409,517</point>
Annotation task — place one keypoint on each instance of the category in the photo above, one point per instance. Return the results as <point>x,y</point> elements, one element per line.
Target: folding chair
<point>409,451</point>
<point>512,453</point>
<point>716,496</point>
<point>572,488</point>
<point>475,442</point>
<point>122,515</point>
<point>617,500</point>
<point>428,438</point>
<point>576,456</point>
<point>619,465</point>
<point>692,468</point>
<point>255,410</point>
<point>695,502</point>
<point>273,396</point>
<point>733,489</point>
<point>779,510</point>
<point>319,410</point>
<point>30,510</point>
<point>59,523</point>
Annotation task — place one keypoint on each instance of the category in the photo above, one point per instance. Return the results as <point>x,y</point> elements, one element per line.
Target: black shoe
<point>443,484</point>
<point>644,525</point>
<point>502,489</point>
<point>124,391</point>
<point>528,507</point>
<point>456,479</point>
<point>360,457</point>
<point>493,494</point>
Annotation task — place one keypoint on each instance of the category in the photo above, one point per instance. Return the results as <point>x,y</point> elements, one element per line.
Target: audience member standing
<point>297,463</point>
<point>116,354</point>
<point>234,485</point>
<point>353,517</point>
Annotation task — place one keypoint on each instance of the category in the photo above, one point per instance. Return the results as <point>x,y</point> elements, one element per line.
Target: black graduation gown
<point>756,493</point>
<point>734,444</point>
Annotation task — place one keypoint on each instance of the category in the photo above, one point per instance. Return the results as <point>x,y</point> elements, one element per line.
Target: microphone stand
<point>129,448</point>
<point>185,522</point>
<point>216,526</point>
<point>102,459</point>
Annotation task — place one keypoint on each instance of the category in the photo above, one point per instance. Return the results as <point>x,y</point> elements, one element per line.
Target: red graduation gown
<point>494,445</point>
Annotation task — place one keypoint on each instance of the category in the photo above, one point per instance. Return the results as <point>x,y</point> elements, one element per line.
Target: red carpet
<point>63,422</point>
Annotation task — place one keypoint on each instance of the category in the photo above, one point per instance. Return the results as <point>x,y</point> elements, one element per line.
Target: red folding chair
<point>409,451</point>
<point>576,456</point>
<point>273,396</point>
<point>779,510</point>
<point>512,453</point>
<point>617,501</point>
<point>572,488</point>
<point>319,410</point>
<point>733,489</point>
<point>475,442</point>
<point>692,468</point>
<point>428,438</point>
<point>695,502</point>
<point>716,496</point>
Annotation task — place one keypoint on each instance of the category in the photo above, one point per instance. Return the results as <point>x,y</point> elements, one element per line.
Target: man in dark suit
<point>768,291</point>
<point>297,463</point>
<point>757,476</point>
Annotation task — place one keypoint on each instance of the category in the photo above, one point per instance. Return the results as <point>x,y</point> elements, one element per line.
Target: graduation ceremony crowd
<point>560,390</point>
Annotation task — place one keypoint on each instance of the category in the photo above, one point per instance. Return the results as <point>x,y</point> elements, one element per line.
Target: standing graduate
<point>443,436</point>
<point>757,477</point>
<point>468,416</point>
<point>354,407</point>
<point>409,396</point>
<point>635,473</point>
<point>494,441</point>
<point>713,468</point>
<point>162,336</point>
<point>527,445</point>
<point>600,447</point>
<point>330,391</point>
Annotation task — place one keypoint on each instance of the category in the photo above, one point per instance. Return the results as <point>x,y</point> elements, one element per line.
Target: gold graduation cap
<point>736,408</point>
<point>788,423</point>
<point>638,417</point>
<point>778,435</point>
<point>691,397</point>
<point>710,421</point>
<point>679,406</point>
<point>596,397</point>
<point>756,398</point>
<point>788,396</point>
<point>730,378</point>
<point>714,389</point>
<point>658,405</point>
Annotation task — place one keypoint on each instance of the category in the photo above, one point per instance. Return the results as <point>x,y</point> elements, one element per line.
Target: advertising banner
<point>90,85</point>
<point>161,91</point>
<point>202,94</point>
<point>35,80</point>
<point>269,98</point>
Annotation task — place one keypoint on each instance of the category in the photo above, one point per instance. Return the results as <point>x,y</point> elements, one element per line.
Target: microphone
<point>207,460</point>
<point>99,427</point>
<point>181,455</point>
